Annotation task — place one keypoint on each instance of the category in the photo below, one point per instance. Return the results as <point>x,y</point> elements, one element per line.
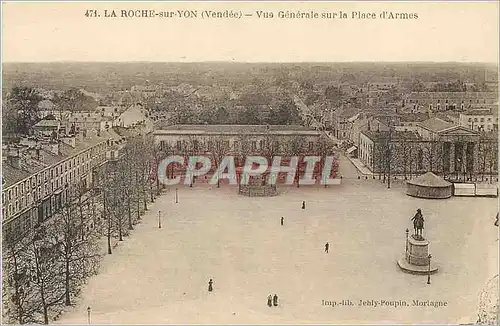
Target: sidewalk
<point>360,166</point>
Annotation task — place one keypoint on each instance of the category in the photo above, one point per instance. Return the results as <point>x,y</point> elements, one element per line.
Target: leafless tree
<point>219,148</point>
<point>18,295</point>
<point>296,148</point>
<point>432,155</point>
<point>48,271</point>
<point>78,247</point>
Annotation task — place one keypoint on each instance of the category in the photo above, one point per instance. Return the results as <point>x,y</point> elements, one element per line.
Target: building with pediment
<point>453,151</point>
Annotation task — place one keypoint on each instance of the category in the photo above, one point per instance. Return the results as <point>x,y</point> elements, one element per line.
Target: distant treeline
<point>107,77</point>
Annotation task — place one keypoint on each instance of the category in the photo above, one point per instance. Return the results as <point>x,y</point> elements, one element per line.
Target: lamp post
<point>88,314</point>
<point>159,219</point>
<point>176,196</point>
<point>407,231</point>
<point>429,273</point>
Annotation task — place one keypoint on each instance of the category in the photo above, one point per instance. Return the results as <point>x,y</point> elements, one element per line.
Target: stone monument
<point>417,259</point>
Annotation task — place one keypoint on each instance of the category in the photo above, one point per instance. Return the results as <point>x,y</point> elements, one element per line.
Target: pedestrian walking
<point>270,300</point>
<point>326,247</point>
<point>275,300</point>
<point>303,205</point>
<point>210,285</point>
<point>282,220</point>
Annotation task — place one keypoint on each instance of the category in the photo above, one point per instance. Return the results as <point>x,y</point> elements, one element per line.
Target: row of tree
<point>407,158</point>
<point>284,114</point>
<point>268,146</point>
<point>45,269</point>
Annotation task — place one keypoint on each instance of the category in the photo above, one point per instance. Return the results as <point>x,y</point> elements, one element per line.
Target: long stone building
<point>243,140</point>
<point>38,174</point>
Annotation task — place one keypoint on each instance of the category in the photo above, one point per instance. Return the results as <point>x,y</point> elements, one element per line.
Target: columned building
<point>452,151</point>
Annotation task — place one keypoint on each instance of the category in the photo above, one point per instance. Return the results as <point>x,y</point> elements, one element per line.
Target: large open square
<point>161,275</point>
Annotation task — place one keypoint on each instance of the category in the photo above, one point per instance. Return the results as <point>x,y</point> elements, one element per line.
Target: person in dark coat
<point>303,205</point>
<point>282,220</point>
<point>270,300</point>
<point>275,300</point>
<point>326,247</point>
<point>210,285</point>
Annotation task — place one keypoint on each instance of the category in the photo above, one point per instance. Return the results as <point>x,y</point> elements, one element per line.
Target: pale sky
<point>41,32</point>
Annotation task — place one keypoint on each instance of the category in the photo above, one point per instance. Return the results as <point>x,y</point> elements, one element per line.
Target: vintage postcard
<point>250,162</point>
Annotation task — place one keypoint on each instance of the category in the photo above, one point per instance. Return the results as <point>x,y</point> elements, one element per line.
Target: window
<point>489,119</point>
<point>311,146</point>
<point>10,194</point>
<point>482,119</point>
<point>179,145</point>
<point>253,145</point>
<point>236,145</point>
<point>475,119</point>
<point>470,119</point>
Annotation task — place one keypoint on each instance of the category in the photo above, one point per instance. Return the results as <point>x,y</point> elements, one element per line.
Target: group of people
<point>272,300</point>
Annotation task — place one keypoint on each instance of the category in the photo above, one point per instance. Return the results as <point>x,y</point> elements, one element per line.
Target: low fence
<point>475,190</point>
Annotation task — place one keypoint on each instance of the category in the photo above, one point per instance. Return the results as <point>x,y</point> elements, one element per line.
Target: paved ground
<point>161,275</point>
<point>360,166</point>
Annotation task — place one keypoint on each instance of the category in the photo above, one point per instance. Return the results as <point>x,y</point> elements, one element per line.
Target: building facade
<point>452,151</point>
<point>37,179</point>
<point>444,101</point>
<point>243,140</point>
<point>480,120</point>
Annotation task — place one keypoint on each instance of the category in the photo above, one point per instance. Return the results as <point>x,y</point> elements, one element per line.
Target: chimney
<point>14,160</point>
<point>71,141</point>
<point>52,147</point>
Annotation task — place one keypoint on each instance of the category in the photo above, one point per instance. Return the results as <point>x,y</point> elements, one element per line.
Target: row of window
<point>25,222</point>
<point>479,119</point>
<point>446,101</point>
<point>58,175</point>
<point>235,145</point>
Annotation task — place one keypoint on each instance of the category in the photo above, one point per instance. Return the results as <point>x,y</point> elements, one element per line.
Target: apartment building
<point>38,174</point>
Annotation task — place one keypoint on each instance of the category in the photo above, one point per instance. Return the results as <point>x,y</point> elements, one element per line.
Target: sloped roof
<point>237,129</point>
<point>47,123</point>
<point>435,124</point>
<point>429,180</point>
<point>414,117</point>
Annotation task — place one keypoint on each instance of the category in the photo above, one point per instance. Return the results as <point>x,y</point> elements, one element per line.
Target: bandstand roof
<point>429,180</point>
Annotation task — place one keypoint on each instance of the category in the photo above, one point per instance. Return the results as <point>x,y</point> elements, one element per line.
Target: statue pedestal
<point>416,260</point>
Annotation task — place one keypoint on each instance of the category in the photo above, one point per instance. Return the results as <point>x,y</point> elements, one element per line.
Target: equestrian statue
<point>418,223</point>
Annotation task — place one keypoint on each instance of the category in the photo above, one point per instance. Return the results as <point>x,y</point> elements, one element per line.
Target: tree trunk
<point>130,227</point>
<point>109,236</point>
<point>45,314</point>
<point>16,291</point>
<point>67,283</point>
<point>82,219</point>
<point>120,232</point>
